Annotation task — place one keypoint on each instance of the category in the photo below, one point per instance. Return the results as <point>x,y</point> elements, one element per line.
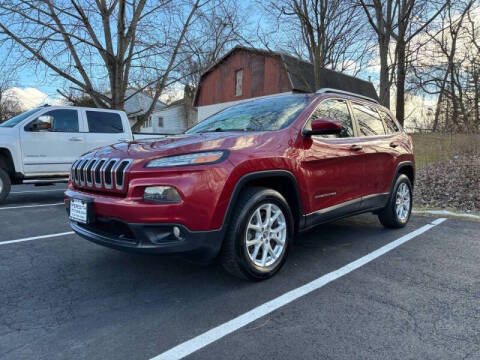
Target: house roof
<point>138,102</point>
<point>301,74</point>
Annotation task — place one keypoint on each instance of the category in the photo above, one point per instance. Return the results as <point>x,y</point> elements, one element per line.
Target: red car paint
<point>328,172</point>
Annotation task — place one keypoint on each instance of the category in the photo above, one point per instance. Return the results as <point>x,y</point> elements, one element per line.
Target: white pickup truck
<point>39,146</point>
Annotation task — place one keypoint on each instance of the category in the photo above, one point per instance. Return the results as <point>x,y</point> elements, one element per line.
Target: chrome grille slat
<point>88,172</point>
<point>73,170</point>
<point>123,171</point>
<point>100,173</point>
<point>80,166</point>
<point>110,164</point>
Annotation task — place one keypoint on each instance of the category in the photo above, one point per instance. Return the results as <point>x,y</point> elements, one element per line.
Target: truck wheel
<point>4,185</point>
<point>259,235</point>
<point>397,212</point>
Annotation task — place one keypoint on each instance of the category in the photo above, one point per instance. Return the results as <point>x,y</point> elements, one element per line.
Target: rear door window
<point>368,120</point>
<point>390,125</point>
<point>334,109</point>
<point>104,122</point>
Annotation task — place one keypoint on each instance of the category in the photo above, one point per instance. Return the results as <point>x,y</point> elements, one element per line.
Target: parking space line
<point>30,206</point>
<point>36,238</point>
<point>34,192</point>
<point>210,336</point>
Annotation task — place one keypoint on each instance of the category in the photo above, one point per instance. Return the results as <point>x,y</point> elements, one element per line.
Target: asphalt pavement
<point>62,297</point>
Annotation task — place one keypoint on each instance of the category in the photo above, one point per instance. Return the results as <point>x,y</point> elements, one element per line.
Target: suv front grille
<point>96,173</point>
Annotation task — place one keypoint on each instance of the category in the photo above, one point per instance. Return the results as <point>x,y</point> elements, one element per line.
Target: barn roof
<point>301,74</point>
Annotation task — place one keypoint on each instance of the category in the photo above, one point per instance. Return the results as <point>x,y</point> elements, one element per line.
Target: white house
<point>173,119</point>
<point>137,104</point>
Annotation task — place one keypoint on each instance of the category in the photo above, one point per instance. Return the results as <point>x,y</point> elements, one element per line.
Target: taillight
<point>411,141</point>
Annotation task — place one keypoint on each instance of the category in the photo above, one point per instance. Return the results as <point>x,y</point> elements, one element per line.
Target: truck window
<point>104,122</point>
<point>337,110</point>
<point>62,120</point>
<point>368,120</point>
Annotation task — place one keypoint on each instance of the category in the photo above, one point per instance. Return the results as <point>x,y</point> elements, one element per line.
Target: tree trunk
<point>384,72</point>
<point>400,83</point>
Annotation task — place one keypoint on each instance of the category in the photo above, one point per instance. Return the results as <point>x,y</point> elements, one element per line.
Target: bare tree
<point>93,43</point>
<point>220,25</point>
<point>399,21</point>
<point>9,104</point>
<point>446,65</point>
<point>327,32</point>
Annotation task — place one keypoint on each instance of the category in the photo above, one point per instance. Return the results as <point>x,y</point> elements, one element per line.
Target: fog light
<point>176,232</point>
<point>161,194</point>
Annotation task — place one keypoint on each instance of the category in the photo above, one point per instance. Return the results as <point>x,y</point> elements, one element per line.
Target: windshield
<point>258,115</point>
<point>18,119</point>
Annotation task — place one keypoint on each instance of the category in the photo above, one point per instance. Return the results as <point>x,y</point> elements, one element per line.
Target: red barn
<point>245,73</point>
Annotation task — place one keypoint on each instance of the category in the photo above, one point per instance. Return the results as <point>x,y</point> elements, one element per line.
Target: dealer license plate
<point>78,210</point>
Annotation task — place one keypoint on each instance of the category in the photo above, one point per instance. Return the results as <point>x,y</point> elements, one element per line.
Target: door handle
<point>393,144</point>
<point>356,147</point>
<point>122,140</point>
<point>76,139</point>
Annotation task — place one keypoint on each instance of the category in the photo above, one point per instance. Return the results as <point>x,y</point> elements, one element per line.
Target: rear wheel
<point>259,235</point>
<point>4,185</point>
<point>397,212</point>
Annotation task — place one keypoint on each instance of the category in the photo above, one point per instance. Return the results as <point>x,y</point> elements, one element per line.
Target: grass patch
<point>432,148</point>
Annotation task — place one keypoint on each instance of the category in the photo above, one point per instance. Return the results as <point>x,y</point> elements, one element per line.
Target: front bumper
<point>201,246</point>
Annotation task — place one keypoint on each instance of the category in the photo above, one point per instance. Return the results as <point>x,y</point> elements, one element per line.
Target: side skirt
<point>353,207</point>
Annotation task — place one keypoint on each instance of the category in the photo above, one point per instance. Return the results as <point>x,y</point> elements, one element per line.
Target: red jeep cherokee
<point>242,183</point>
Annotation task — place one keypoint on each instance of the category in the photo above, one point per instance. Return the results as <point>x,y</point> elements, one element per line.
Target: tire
<point>389,216</point>
<point>241,260</point>
<point>5,185</point>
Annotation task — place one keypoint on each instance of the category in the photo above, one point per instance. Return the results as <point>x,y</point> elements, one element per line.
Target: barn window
<point>160,122</point>
<point>238,82</point>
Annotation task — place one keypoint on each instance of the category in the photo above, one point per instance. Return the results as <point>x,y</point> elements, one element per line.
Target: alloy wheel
<point>403,202</point>
<point>266,235</point>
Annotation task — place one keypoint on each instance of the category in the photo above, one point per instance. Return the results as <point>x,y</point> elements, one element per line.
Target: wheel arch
<point>406,168</point>
<point>6,162</point>
<point>282,181</point>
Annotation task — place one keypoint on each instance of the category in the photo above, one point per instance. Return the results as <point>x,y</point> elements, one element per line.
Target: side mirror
<point>42,123</point>
<point>324,126</point>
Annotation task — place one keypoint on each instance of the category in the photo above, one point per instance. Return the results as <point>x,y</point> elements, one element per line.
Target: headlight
<point>161,194</point>
<point>187,159</point>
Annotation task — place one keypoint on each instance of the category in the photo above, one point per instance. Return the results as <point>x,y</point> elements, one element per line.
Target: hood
<point>7,133</point>
<point>179,144</point>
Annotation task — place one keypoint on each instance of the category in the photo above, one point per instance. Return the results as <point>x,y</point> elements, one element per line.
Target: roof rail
<point>330,90</point>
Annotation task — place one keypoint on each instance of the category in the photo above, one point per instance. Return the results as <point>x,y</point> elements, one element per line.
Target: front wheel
<point>259,235</point>
<point>4,185</point>
<point>397,212</point>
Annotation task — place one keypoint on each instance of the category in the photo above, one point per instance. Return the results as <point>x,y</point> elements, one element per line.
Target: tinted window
<point>390,125</point>
<point>257,115</point>
<point>104,122</point>
<point>337,110</point>
<point>55,121</point>
<point>368,120</point>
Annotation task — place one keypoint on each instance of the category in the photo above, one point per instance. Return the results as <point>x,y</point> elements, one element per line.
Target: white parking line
<point>33,191</point>
<point>197,343</point>
<point>30,206</point>
<point>36,238</point>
